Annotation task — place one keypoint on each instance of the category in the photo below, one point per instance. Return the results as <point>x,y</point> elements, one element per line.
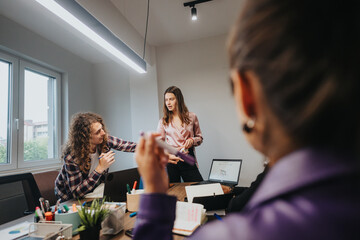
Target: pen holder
<point>133,200</point>
<point>69,217</point>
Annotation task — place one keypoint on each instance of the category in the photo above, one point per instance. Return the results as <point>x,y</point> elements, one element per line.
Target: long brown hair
<point>306,56</point>
<point>181,107</point>
<point>78,143</point>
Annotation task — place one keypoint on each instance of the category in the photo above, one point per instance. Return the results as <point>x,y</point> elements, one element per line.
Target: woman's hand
<point>105,161</point>
<point>152,161</point>
<point>189,143</point>
<point>174,159</point>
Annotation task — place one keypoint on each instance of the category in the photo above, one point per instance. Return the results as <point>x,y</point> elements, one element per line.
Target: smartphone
<point>129,232</point>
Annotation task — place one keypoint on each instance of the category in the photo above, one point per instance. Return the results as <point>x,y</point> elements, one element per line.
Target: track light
<point>193,14</point>
<point>193,8</point>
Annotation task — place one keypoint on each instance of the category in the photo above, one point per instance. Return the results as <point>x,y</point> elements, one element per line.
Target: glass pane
<point>4,110</point>
<point>38,116</point>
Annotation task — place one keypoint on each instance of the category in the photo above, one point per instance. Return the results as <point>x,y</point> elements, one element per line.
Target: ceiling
<point>169,22</point>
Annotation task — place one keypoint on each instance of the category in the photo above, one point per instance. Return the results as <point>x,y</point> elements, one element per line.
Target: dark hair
<point>306,54</point>
<point>78,143</point>
<point>181,107</point>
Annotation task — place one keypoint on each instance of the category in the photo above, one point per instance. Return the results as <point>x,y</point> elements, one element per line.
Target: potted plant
<point>91,218</point>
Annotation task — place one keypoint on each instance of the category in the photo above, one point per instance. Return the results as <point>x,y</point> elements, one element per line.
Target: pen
<point>47,206</point>
<point>133,189</point>
<point>128,188</point>
<point>57,204</point>
<point>187,158</point>
<point>218,217</point>
<point>41,200</point>
<point>133,214</point>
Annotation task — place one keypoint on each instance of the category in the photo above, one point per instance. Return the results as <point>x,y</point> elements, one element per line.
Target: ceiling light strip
<point>139,64</point>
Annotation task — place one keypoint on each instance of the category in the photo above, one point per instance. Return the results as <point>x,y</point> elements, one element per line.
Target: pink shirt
<point>176,137</point>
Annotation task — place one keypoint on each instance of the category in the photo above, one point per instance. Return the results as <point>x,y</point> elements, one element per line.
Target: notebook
<point>224,171</point>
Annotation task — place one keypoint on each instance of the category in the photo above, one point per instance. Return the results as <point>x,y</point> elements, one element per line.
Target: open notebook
<point>224,171</point>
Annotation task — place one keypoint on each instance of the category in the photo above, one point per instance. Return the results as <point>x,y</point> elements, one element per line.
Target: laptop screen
<point>225,170</point>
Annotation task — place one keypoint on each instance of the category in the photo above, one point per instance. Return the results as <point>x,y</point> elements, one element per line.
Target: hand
<point>174,159</point>
<point>189,143</point>
<point>105,161</point>
<point>152,161</point>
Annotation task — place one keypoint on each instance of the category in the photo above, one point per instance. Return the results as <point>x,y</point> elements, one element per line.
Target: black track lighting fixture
<point>193,8</point>
<point>193,14</point>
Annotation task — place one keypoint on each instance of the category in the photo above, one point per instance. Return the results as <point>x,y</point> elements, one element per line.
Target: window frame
<point>12,111</point>
<point>16,115</point>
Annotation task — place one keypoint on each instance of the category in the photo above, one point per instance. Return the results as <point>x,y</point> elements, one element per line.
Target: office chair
<point>19,196</point>
<point>46,184</point>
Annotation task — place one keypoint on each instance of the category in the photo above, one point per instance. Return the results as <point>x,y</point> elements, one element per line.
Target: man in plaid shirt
<point>87,156</point>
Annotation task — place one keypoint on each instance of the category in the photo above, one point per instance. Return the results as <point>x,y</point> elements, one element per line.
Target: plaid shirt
<point>72,183</point>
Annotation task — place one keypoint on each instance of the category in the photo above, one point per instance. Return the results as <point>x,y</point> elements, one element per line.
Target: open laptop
<point>224,171</point>
<point>115,184</point>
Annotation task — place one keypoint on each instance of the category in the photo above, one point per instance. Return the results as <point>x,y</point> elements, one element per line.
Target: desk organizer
<point>69,218</point>
<point>133,200</point>
<point>50,230</point>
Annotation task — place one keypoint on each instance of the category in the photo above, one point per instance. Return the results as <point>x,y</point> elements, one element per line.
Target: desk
<point>177,190</point>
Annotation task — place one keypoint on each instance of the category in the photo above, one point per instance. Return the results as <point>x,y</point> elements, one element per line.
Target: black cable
<point>147,22</point>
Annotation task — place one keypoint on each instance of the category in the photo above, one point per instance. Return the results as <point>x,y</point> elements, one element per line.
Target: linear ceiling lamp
<point>75,15</point>
<point>193,8</point>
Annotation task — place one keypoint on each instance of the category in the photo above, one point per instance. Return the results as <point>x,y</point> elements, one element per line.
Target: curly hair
<point>182,109</point>
<point>78,143</point>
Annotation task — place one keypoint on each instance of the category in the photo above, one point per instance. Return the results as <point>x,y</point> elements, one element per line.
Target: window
<point>30,114</point>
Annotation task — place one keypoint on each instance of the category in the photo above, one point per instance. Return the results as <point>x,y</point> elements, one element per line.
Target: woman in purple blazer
<point>295,75</point>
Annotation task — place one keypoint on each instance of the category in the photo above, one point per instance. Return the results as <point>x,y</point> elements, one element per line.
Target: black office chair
<point>19,196</point>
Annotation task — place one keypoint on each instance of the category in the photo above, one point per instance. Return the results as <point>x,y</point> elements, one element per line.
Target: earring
<point>249,125</point>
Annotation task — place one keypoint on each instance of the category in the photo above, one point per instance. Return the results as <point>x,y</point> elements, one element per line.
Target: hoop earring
<point>249,126</point>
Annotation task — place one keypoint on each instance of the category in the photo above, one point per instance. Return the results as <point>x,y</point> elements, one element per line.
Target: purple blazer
<point>308,194</point>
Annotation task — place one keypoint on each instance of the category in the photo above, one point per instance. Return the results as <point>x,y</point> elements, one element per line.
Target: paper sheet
<point>97,193</point>
<point>203,190</point>
<point>15,231</point>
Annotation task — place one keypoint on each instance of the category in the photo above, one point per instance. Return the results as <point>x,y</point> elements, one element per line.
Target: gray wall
<point>112,102</point>
<point>199,68</point>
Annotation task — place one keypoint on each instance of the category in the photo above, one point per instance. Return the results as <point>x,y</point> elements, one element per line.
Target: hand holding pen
<point>105,161</point>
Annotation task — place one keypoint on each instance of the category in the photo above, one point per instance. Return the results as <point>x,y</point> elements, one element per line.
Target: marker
<point>134,186</point>
<point>74,207</point>
<point>218,217</point>
<point>186,157</point>
<point>128,188</point>
<point>133,214</point>
<point>66,208</point>
<point>39,213</point>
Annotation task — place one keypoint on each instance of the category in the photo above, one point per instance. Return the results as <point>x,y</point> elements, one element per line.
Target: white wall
<point>77,90</point>
<point>199,68</point>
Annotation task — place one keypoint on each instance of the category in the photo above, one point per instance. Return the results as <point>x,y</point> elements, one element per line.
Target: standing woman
<point>87,156</point>
<point>180,128</point>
